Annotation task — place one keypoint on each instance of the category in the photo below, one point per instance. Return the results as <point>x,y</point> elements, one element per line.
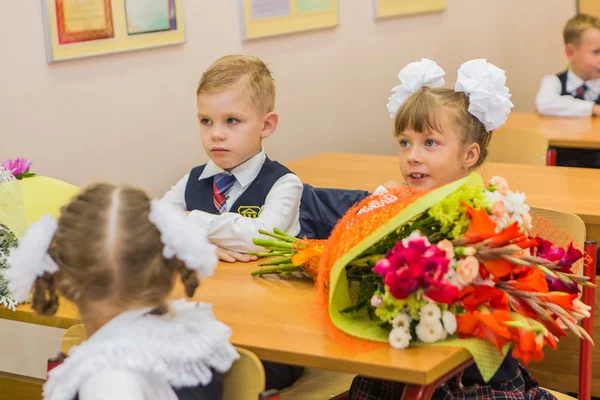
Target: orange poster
<point>84,20</point>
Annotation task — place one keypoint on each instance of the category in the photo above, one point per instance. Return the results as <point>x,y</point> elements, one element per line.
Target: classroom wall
<point>131,117</point>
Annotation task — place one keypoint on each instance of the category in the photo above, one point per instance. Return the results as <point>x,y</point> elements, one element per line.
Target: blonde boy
<point>240,190</point>
<point>576,91</point>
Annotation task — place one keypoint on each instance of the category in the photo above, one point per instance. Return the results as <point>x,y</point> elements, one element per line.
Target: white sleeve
<point>235,232</point>
<point>118,384</point>
<point>549,102</point>
<point>177,193</point>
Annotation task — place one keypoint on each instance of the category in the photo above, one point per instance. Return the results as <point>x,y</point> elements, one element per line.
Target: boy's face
<point>231,127</point>
<point>432,159</point>
<point>585,57</point>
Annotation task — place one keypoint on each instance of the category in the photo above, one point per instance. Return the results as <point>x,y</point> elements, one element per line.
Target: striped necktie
<point>580,92</point>
<point>222,184</point>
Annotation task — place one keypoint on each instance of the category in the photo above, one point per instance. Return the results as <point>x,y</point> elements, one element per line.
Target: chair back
<point>74,336</point>
<point>515,145</point>
<point>246,378</point>
<point>560,368</point>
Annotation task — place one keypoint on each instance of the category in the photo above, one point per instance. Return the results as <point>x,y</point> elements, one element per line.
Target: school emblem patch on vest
<point>249,211</point>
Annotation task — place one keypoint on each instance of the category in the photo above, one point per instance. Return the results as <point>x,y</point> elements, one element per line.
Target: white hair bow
<point>412,78</point>
<point>484,83</point>
<point>30,259</point>
<point>180,237</point>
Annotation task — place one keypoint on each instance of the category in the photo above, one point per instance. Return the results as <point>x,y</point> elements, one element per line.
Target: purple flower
<point>557,285</point>
<point>563,259</point>
<point>19,167</point>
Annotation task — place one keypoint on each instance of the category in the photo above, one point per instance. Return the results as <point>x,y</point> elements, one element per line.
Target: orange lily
<point>534,280</point>
<point>304,255</point>
<point>563,300</point>
<point>472,297</point>
<point>482,226</point>
<point>499,267</point>
<point>485,325</point>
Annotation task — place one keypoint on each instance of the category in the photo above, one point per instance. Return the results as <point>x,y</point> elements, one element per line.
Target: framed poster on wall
<point>394,8</point>
<point>84,28</point>
<point>262,18</point>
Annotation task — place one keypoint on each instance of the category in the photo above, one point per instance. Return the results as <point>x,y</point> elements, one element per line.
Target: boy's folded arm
<point>235,232</point>
<point>549,101</point>
<point>177,193</point>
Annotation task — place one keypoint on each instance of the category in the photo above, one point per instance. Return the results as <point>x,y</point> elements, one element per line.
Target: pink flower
<point>401,283</point>
<point>467,271</point>
<point>382,267</point>
<point>446,246</point>
<point>500,184</point>
<point>17,166</point>
<point>564,259</point>
<point>376,301</point>
<point>557,285</point>
<point>499,209</point>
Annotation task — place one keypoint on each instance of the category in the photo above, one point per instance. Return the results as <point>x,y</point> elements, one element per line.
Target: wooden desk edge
<point>362,368</point>
<point>32,318</point>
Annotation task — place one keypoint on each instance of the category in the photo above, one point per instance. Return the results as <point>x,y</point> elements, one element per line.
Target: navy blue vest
<point>199,193</point>
<point>562,77</point>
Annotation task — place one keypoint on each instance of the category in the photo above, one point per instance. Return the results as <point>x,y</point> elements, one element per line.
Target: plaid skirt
<point>522,387</point>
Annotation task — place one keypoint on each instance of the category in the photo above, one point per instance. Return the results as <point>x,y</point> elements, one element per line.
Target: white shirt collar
<point>181,348</point>
<point>573,82</point>
<point>245,173</point>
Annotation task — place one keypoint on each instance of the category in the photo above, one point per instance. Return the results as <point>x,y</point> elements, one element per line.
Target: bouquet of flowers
<point>451,267</point>
<point>25,198</point>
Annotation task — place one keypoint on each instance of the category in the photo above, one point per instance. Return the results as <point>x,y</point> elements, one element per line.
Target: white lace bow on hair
<point>412,78</point>
<point>180,237</point>
<point>482,82</point>
<point>489,98</point>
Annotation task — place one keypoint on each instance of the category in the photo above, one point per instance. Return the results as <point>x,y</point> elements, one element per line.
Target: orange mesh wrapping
<point>349,231</point>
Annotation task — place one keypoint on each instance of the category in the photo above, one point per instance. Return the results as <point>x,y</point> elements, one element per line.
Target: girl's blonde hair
<point>420,113</point>
<point>106,248</point>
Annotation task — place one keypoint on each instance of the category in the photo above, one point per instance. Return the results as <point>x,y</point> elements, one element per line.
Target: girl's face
<point>435,158</point>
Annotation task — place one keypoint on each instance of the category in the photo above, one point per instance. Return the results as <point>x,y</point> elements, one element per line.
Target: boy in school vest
<point>240,190</point>
<point>576,91</point>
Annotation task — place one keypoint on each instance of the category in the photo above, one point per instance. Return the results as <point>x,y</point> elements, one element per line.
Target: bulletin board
<point>262,18</point>
<point>591,7</point>
<point>394,8</point>
<point>83,28</point>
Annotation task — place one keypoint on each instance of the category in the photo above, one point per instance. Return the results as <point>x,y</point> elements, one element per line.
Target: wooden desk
<point>575,190</point>
<point>581,133</point>
<point>273,317</point>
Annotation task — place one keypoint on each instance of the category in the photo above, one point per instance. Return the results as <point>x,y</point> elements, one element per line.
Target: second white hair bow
<point>412,78</point>
<point>484,83</point>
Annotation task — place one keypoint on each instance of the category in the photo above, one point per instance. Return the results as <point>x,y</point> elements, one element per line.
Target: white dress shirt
<point>549,102</point>
<point>234,231</point>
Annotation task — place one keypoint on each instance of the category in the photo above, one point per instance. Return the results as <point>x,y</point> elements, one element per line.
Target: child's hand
<point>233,256</point>
<point>596,110</point>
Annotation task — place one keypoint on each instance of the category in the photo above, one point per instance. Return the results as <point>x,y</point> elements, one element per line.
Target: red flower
<point>443,293</point>
<point>472,297</point>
